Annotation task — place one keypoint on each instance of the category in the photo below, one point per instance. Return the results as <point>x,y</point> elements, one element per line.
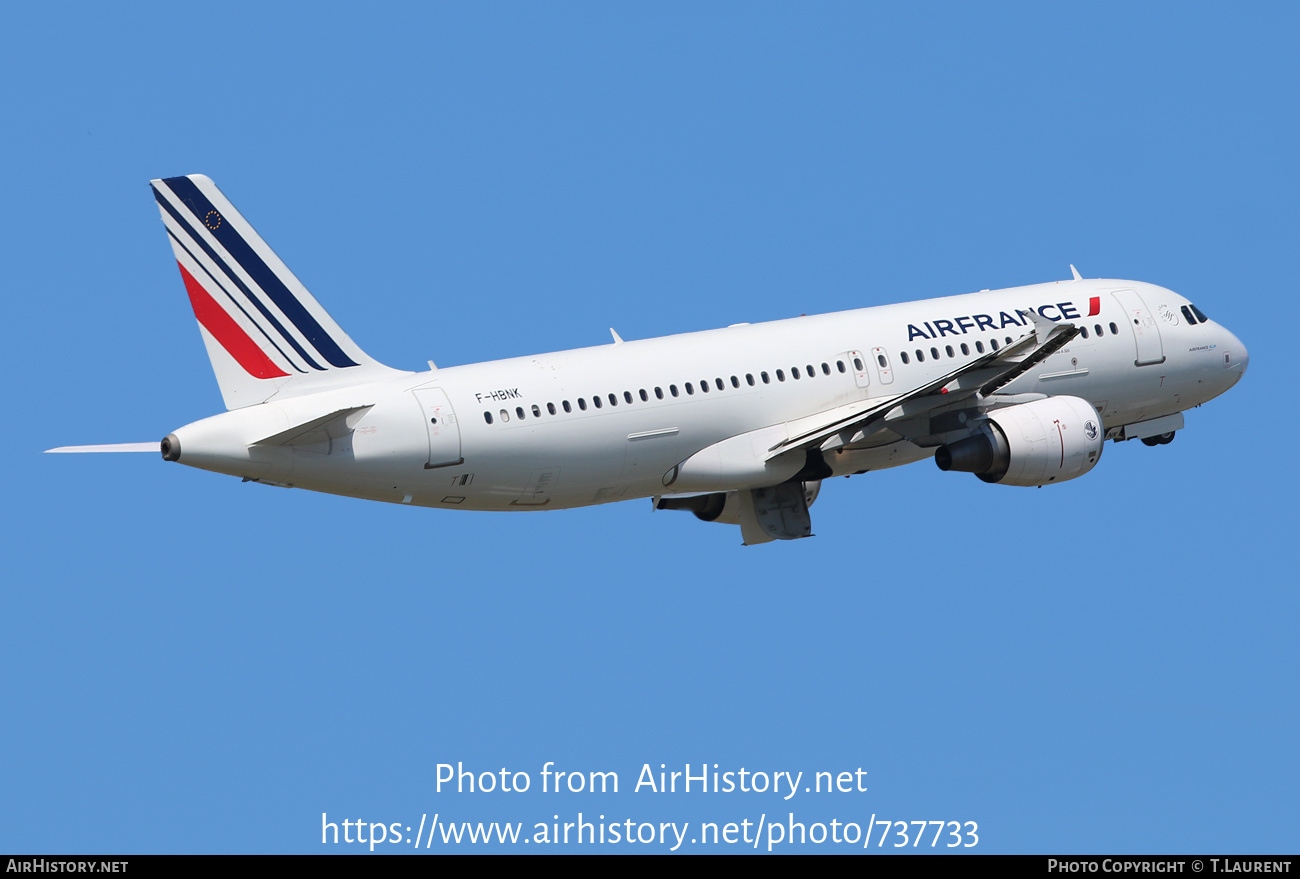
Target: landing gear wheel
<point>1163,439</point>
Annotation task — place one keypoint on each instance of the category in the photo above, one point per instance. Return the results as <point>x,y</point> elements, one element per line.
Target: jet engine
<point>724,506</point>
<point>1034,443</point>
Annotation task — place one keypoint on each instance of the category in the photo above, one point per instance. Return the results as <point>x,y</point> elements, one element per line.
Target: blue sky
<point>191,664</point>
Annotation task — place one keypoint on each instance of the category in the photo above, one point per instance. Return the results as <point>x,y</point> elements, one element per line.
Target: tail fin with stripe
<point>265,334</point>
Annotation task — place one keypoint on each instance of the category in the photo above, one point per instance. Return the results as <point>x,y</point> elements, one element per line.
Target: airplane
<point>739,425</point>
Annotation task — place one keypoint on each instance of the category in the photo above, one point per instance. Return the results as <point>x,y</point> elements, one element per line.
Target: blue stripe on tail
<point>258,270</point>
<point>234,278</point>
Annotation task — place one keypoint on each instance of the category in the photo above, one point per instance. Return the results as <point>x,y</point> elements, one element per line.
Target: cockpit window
<point>1200,314</point>
<point>1187,313</point>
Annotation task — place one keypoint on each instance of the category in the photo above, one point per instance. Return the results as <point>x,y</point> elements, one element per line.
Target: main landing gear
<point>1163,439</point>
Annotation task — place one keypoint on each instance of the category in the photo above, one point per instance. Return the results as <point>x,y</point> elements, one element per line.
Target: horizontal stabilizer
<point>155,447</point>
<point>335,425</point>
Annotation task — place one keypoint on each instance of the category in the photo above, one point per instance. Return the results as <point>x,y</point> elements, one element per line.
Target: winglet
<point>1075,272</point>
<point>618,340</point>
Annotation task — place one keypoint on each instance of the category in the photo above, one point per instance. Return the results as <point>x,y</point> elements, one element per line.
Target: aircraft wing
<point>985,375</point>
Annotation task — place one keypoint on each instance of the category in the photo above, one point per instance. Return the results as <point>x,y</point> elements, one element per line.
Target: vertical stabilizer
<point>265,334</point>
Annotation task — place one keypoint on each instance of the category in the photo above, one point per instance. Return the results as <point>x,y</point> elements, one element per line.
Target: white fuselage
<point>528,433</point>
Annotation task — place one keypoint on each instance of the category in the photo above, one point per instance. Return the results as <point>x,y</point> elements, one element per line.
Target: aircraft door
<point>1146,330</point>
<point>858,364</point>
<point>440,422</point>
<point>883,370</point>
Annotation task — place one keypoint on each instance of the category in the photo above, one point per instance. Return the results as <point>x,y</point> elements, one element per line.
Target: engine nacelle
<point>1034,443</point>
<point>724,506</point>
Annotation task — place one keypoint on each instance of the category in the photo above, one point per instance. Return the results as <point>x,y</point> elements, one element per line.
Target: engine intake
<point>1034,443</point>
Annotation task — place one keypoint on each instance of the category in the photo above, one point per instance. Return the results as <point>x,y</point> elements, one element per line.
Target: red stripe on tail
<point>228,333</point>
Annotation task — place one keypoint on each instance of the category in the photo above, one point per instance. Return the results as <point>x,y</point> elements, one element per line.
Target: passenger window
<point>567,407</point>
<point>964,349</point>
<point>903,354</point>
<point>794,372</point>
<point>780,376</point>
<point>840,365</point>
<point>595,401</point>
<point>627,396</point>
<point>920,356</point>
<point>487,416</point>
<point>948,349</point>
<point>537,412</point>
<point>993,343</point>
<point>857,363</point>
<point>880,358</point>
<point>613,400</point>
<point>766,380</point>
<point>704,386</point>
<point>826,369</point>
<point>979,347</point>
<point>550,407</point>
<point>659,393</point>
<point>735,382</point>
<point>1097,329</point>
<point>582,404</point>
<point>505,416</point>
<point>721,386</point>
<point>690,389</point>
<point>645,398</point>
<point>672,389</point>
<point>812,371</point>
<point>1114,329</point>
<point>519,410</point>
<point>749,378</point>
<point>1083,331</point>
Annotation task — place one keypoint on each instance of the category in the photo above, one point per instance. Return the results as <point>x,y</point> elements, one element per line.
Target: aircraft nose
<point>1238,356</point>
<point>1235,356</point>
